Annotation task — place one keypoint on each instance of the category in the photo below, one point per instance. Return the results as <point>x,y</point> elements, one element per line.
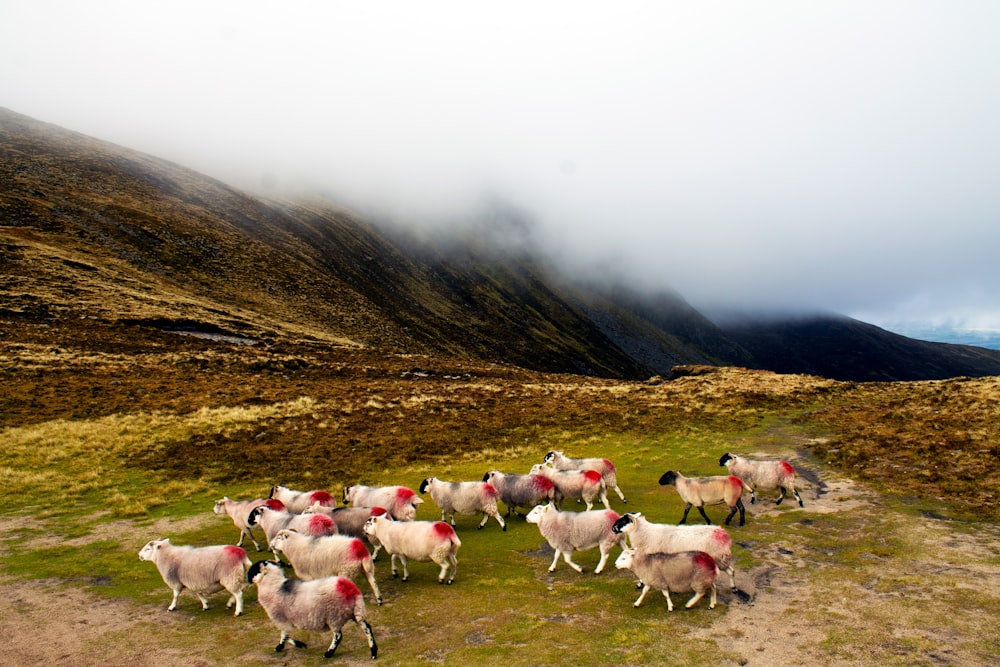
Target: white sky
<point>838,156</point>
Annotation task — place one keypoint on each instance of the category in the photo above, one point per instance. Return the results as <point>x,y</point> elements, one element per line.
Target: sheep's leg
<point>173,603</point>
<point>378,547</point>
<point>555,559</point>
<point>604,499</point>
<point>450,563</point>
<point>620,494</point>
<point>590,504</point>
<point>603,561</point>
<point>452,519</point>
<point>781,495</point>
<point>694,600</point>
<point>238,600</point>
<point>743,511</point>
<point>687,508</point>
<point>369,635</point>
<point>567,556</point>
<point>406,567</point>
<point>798,497</point>
<point>670,603</point>
<point>642,596</point>
<point>285,639</point>
<point>392,564</point>
<point>701,508</point>
<point>753,493</point>
<point>713,599</point>
<point>731,571</point>
<point>370,576</point>
<point>204,601</point>
<point>486,517</point>
<point>337,636</point>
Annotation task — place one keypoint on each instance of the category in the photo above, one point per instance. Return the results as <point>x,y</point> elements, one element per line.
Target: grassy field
<point>894,558</point>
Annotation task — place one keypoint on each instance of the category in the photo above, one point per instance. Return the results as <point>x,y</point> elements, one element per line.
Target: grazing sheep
<point>607,469</point>
<point>678,572</point>
<point>647,537</point>
<point>239,511</point>
<point>271,521</point>
<point>583,485</point>
<point>420,540</point>
<point>314,606</point>
<point>203,570</point>
<point>522,490</point>
<point>314,557</point>
<point>763,475</point>
<point>399,501</point>
<point>701,491</point>
<point>464,498</point>
<point>296,501</point>
<point>567,532</point>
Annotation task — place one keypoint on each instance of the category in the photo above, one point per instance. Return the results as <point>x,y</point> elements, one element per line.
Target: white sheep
<point>560,461</point>
<point>464,498</point>
<point>296,501</point>
<point>418,540</point>
<point>202,570</point>
<point>762,475</point>
<point>239,511</point>
<point>314,557</point>
<point>586,485</point>
<point>314,606</point>
<point>678,572</point>
<point>701,491</point>
<point>349,520</point>
<point>567,532</point>
<point>401,502</point>
<point>648,537</point>
<point>272,521</point>
<point>518,490</point>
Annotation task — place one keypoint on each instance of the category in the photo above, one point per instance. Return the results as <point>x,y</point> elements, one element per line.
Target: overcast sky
<point>833,156</point>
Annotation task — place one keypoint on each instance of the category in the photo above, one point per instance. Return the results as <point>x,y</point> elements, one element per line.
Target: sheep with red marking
<point>464,498</point>
<point>202,570</point>
<point>701,491</point>
<point>418,540</point>
<point>522,490</point>
<point>239,512</point>
<point>648,537</point>
<point>399,501</point>
<point>349,520</point>
<point>313,606</point>
<point>567,532</point>
<point>316,556</point>
<point>678,572</point>
<point>762,475</point>
<point>272,521</point>
<point>297,501</point>
<point>560,461</point>
<point>585,485</point>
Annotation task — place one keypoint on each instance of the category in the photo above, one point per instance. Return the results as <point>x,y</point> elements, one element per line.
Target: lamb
<point>522,490</point>
<point>701,491</point>
<point>607,469</point>
<point>203,570</point>
<point>763,475</point>
<point>296,501</point>
<point>420,540</point>
<point>677,572</point>
<point>464,498</point>
<point>583,485</point>
<point>648,537</point>
<point>317,556</point>
<point>567,532</point>
<point>400,501</point>
<point>239,511</point>
<point>314,606</point>
<point>272,521</point>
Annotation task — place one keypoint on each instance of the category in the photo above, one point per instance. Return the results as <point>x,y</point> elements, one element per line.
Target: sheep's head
<point>220,505</point>
<point>148,552</point>
<point>624,560</point>
<point>279,540</point>
<point>668,478</point>
<point>371,525</point>
<point>347,494</point>
<point>537,512</point>
<point>625,523</point>
<point>275,490</point>
<point>551,455</point>
<point>726,458</point>
<point>427,482</point>
<point>262,569</point>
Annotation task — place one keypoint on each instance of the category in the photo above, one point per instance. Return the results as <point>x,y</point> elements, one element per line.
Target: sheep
<point>272,521</point>
<point>607,469</point>
<point>317,556</point>
<point>314,606</point>
<point>400,501</point>
<point>678,572</point>
<point>464,498</point>
<point>522,490</point>
<point>296,501</point>
<point>567,532</point>
<point>349,520</point>
<point>203,570</point>
<point>763,475</point>
<point>239,511</point>
<point>420,540</point>
<point>701,491</point>
<point>648,537</point>
<point>583,485</point>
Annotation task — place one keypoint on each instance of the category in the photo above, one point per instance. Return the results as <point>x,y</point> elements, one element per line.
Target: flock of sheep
<point>328,546</point>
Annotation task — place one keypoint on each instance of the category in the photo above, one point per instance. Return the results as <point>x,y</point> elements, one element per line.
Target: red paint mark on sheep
<point>320,524</point>
<point>786,468</point>
<point>443,530</point>
<point>321,497</point>
<point>358,550</point>
<point>543,483</point>
<point>490,491</point>
<point>704,561</point>
<point>612,516</point>
<point>378,511</point>
<point>404,494</point>
<point>721,537</point>
<point>736,482</point>
<point>274,504</point>
<point>592,476</point>
<point>233,554</point>
<point>608,465</point>
<point>347,591</point>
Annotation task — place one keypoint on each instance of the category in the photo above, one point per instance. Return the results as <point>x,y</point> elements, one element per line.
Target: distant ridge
<point>98,241</point>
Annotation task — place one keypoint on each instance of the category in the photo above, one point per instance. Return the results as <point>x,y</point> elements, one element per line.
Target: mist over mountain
<point>98,241</point>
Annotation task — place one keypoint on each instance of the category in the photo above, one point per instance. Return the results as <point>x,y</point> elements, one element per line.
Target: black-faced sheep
<point>315,557</point>
<point>585,485</point>
<point>567,532</point>
<point>399,501</point>
<point>239,511</point>
<point>701,491</point>
<point>518,490</point>
<point>678,572</point>
<point>559,461</point>
<point>202,570</point>
<point>763,476</point>
<point>296,501</point>
<point>418,540</point>
<point>464,498</point>
<point>314,606</point>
